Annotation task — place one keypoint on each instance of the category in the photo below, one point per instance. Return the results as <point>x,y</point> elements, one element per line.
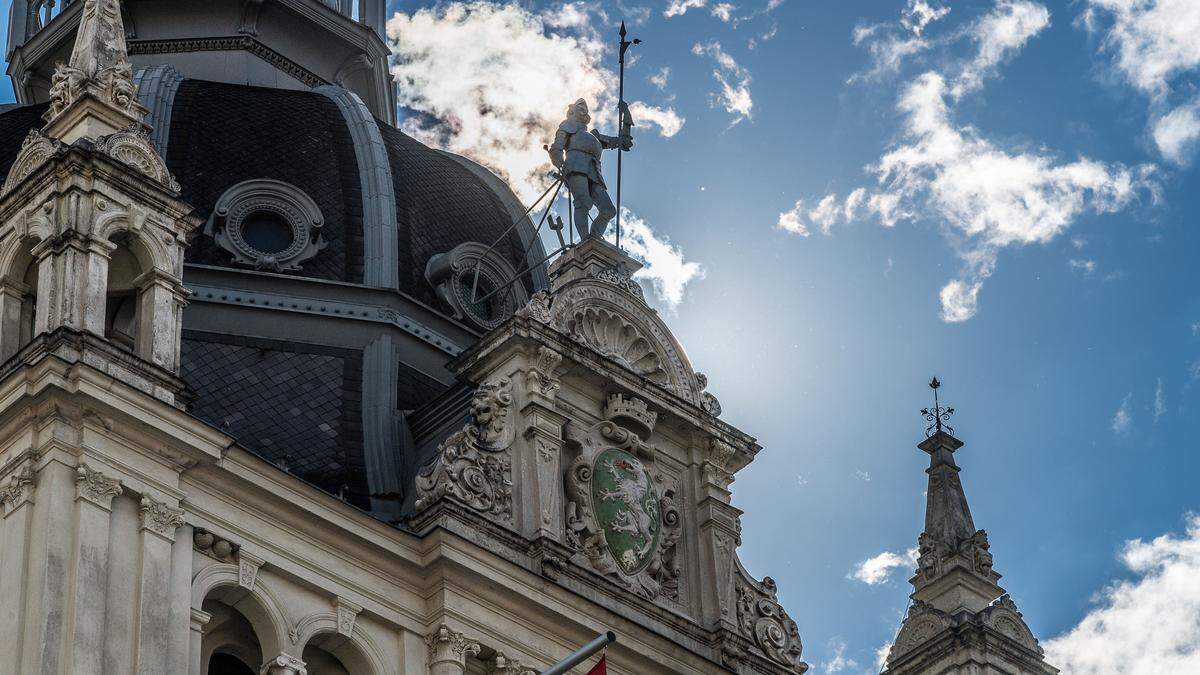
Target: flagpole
<point>621,115</point>
<point>582,654</point>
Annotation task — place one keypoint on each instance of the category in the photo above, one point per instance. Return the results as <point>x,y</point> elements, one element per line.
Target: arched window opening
<point>121,308</point>
<point>228,664</point>
<point>29,303</point>
<point>322,659</point>
<point>18,301</point>
<point>230,645</point>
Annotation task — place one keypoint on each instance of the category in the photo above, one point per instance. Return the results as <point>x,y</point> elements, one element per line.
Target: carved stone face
<point>579,110</point>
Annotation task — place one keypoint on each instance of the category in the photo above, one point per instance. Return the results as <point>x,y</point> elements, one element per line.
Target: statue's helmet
<point>580,106</point>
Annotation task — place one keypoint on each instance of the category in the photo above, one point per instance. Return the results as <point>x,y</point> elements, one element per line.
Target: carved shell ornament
<point>132,146</point>
<point>611,335</point>
<point>35,150</point>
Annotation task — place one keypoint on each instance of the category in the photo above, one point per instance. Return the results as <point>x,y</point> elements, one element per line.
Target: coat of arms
<point>627,509</point>
<point>618,517</point>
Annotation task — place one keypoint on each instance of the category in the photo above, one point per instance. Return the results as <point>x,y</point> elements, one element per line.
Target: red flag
<point>601,667</point>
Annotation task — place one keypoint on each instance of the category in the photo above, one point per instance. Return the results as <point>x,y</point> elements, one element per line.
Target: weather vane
<point>937,415</point>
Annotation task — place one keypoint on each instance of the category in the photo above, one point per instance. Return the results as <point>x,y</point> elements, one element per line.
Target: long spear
<point>626,120</point>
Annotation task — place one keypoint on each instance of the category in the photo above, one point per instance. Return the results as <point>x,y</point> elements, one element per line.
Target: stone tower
<point>960,622</point>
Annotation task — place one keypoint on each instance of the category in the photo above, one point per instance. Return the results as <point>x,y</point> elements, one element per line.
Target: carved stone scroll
<point>473,465</point>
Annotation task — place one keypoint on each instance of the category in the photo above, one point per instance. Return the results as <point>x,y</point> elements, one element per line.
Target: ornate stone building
<point>253,419</point>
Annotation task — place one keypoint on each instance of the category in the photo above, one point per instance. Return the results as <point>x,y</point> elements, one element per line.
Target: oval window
<point>268,232</point>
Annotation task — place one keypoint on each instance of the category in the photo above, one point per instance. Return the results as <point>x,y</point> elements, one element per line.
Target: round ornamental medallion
<point>627,509</point>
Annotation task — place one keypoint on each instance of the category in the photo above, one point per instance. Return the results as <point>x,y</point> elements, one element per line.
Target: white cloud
<point>793,220</point>
<point>666,119</point>
<point>1122,420</point>
<point>864,476</point>
<point>881,655</point>
<point>765,36</point>
<point>889,44</point>
<point>1160,401</point>
<point>661,78</point>
<point>734,80</point>
<point>493,81</point>
<point>919,14</point>
<point>666,269</point>
<point>960,300</point>
<point>1176,133</point>
<point>987,196</point>
<point>1146,625</point>
<point>877,570</point>
<point>1154,41</point>
<point>723,11</point>
<point>839,662</point>
<point>998,35</point>
<point>1155,49</point>
<point>681,7</point>
<point>1085,267</point>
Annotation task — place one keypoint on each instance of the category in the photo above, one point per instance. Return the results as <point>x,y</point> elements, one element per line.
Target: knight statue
<point>576,154</point>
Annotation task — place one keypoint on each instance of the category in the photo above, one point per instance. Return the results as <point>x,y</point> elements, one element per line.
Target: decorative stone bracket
<point>763,620</point>
<point>474,465</point>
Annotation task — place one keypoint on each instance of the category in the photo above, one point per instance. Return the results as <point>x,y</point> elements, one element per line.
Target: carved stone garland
<point>761,618</point>
<point>617,519</point>
<point>473,465</point>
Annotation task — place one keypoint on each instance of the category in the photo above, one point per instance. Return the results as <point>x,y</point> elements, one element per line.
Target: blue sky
<point>1025,230</point>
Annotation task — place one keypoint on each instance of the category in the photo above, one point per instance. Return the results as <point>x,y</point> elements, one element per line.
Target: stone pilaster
<point>93,508</point>
<point>198,620</point>
<point>540,463</point>
<point>159,521</point>
<point>16,501</point>
<point>447,651</point>
<point>720,534</point>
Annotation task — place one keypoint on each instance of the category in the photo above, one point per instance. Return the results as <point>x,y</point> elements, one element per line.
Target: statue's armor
<point>582,149</point>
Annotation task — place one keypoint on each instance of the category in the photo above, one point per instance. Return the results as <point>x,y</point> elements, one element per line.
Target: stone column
<point>62,275</point>
<point>95,293</point>
<point>158,524</point>
<point>447,651</point>
<point>199,620</point>
<point>93,508</point>
<point>161,301</point>
<point>16,499</point>
<point>284,664</point>
<point>12,300</point>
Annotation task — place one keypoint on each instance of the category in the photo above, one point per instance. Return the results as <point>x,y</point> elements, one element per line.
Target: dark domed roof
<point>299,396</point>
<point>223,134</point>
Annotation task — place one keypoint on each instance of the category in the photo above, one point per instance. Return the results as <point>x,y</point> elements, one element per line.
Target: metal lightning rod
<point>625,120</point>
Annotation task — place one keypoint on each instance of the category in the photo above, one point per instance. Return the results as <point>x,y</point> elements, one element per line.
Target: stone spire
<point>960,620</point>
<point>94,94</point>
